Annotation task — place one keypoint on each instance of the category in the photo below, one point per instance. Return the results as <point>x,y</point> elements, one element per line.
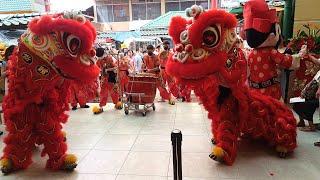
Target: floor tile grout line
<point>92,148</point>
<point>131,150</point>
<point>127,155</point>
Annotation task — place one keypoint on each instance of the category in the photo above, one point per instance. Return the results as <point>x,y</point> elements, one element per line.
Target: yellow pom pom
<point>171,102</point>
<point>281,149</point>
<point>218,151</point>
<point>64,134</point>
<point>70,159</point>
<point>118,105</point>
<point>5,162</point>
<point>95,109</point>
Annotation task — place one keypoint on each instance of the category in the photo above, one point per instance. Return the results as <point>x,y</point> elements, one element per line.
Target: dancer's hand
<point>303,51</point>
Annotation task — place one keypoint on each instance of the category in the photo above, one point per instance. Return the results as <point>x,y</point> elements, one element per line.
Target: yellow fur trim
<point>5,162</point>
<point>281,149</point>
<point>95,109</point>
<point>118,105</point>
<point>171,102</point>
<point>70,159</point>
<point>64,133</point>
<point>218,151</point>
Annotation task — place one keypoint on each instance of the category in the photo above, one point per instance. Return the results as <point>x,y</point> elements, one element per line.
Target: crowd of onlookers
<point>116,67</point>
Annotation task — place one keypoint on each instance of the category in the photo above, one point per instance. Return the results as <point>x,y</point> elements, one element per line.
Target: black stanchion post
<point>176,139</point>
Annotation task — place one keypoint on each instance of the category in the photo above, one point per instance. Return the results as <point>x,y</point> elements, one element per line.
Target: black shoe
<point>85,106</point>
<point>1,133</point>
<point>74,108</point>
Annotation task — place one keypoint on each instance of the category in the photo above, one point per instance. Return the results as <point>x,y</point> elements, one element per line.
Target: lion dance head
<point>65,42</point>
<point>206,45</point>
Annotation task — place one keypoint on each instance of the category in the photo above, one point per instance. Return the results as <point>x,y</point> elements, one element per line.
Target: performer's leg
<point>188,94</point>
<point>164,93</point>
<point>20,140</point>
<point>285,135</point>
<point>73,100</point>
<point>115,96</point>
<point>103,94</point>
<point>54,145</point>
<point>83,103</point>
<point>226,133</point>
<point>173,88</point>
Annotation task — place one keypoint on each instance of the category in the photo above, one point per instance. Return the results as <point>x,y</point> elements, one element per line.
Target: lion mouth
<point>86,60</point>
<point>197,55</point>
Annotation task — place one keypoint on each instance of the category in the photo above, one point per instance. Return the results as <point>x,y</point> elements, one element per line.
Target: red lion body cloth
<point>54,50</point>
<point>208,60</point>
<point>83,93</point>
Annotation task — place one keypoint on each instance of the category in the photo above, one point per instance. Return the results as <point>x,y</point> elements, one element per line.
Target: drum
<point>142,88</point>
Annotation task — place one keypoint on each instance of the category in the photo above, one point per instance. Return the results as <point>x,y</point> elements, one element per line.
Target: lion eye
<point>211,36</point>
<point>72,43</point>
<point>184,37</point>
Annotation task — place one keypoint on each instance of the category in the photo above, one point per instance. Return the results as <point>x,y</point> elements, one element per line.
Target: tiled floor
<point>113,146</point>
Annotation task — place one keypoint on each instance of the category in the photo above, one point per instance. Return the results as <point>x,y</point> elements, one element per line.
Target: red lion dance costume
<point>208,59</point>
<point>53,50</point>
<point>83,93</point>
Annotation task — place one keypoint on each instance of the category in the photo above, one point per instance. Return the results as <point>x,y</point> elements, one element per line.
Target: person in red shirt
<point>167,80</point>
<point>263,34</point>
<point>151,64</point>
<point>124,66</point>
<point>108,81</point>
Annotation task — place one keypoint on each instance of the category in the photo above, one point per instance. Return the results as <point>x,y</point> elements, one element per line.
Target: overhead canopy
<point>16,21</point>
<point>159,26</point>
<point>237,10</point>
<point>120,35</point>
<point>15,6</point>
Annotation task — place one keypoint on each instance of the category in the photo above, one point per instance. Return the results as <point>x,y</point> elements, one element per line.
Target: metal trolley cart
<point>140,93</point>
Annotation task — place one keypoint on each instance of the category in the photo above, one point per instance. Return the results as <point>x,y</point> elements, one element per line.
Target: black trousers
<point>306,109</point>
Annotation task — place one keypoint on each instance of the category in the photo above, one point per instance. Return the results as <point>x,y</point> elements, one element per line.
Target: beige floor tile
<point>200,143</point>
<point>152,143</point>
<point>83,141</point>
<point>146,163</point>
<point>116,142</point>
<point>197,165</point>
<point>108,162</point>
<point>133,177</point>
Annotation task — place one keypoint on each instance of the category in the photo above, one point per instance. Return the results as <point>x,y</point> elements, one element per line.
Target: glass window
<point>203,3</point>
<point>186,4</point>
<point>121,12</point>
<point>172,6</point>
<point>104,13</point>
<point>120,2</point>
<point>106,1</point>
<point>181,5</point>
<point>153,10</point>
<point>138,1</point>
<point>139,11</point>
